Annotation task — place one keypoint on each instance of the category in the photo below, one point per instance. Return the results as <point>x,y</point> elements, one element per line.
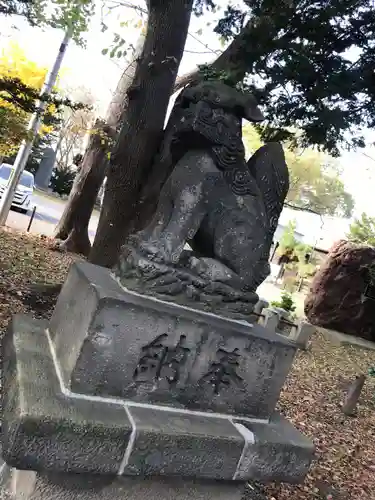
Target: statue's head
<point>218,95</point>
<point>208,115</point>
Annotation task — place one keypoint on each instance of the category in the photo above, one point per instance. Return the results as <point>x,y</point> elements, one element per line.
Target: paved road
<point>47,215</point>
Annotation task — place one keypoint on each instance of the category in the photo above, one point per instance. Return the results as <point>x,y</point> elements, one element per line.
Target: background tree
<point>299,62</point>
<point>363,230</point>
<point>72,15</point>
<point>21,80</point>
<point>73,225</point>
<point>12,130</point>
<point>288,240</point>
<point>75,126</point>
<point>315,184</point>
<point>308,63</point>
<point>295,256</point>
<point>26,8</point>
<point>314,178</point>
<point>15,107</point>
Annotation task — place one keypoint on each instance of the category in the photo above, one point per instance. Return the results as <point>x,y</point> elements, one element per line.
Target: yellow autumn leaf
<point>13,120</point>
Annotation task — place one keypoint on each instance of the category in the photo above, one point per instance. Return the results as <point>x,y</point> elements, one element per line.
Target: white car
<point>23,196</point>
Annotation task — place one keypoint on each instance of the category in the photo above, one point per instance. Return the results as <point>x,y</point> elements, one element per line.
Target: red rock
<point>337,295</point>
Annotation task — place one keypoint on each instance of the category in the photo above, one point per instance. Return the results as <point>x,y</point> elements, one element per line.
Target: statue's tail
<point>269,169</point>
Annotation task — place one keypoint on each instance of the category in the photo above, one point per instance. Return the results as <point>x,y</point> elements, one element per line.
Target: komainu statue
<point>224,209</point>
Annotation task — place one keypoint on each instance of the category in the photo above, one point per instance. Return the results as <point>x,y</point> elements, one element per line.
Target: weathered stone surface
<point>168,443</point>
<point>279,453</point>
<point>44,428</point>
<point>271,319</point>
<point>260,305</point>
<point>337,298</point>
<point>302,334</point>
<point>131,346</point>
<point>227,209</point>
<point>5,472</point>
<point>41,427</point>
<point>38,486</point>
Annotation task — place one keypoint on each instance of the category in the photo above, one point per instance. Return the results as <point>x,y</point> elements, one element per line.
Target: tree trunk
<point>354,393</point>
<point>74,222</point>
<point>143,124</point>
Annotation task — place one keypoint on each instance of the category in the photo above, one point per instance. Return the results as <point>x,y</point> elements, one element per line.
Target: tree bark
<point>143,124</point>
<point>73,225</point>
<point>354,393</point>
<point>74,222</point>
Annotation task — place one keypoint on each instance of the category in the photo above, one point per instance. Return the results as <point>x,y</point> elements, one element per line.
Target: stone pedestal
<point>271,319</point>
<point>119,384</point>
<point>22,485</point>
<point>303,334</point>
<point>260,305</point>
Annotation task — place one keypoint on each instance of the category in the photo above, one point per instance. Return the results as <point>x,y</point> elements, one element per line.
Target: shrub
<point>62,180</point>
<point>286,302</point>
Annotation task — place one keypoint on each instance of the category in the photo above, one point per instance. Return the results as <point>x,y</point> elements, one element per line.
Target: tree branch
<point>227,60</point>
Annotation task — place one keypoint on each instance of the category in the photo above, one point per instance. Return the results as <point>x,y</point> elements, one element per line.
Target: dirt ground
<point>344,468</point>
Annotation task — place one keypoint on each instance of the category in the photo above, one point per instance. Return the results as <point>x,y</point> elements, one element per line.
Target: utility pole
<point>32,131</point>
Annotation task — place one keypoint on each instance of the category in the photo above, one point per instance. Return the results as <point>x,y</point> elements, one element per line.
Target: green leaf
<point>105,52</point>
<point>222,41</point>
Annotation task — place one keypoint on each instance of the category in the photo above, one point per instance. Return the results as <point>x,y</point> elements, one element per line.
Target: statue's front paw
<point>212,270</point>
<point>153,251</point>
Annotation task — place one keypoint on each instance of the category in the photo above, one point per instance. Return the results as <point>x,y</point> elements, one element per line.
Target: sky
<point>89,68</point>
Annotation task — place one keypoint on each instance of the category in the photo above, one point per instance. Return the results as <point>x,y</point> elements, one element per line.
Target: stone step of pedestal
<point>46,427</point>
<point>41,427</point>
<point>24,485</point>
<point>113,342</point>
<point>43,486</point>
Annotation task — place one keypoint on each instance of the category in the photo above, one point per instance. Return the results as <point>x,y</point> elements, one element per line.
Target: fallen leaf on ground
<point>345,446</point>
